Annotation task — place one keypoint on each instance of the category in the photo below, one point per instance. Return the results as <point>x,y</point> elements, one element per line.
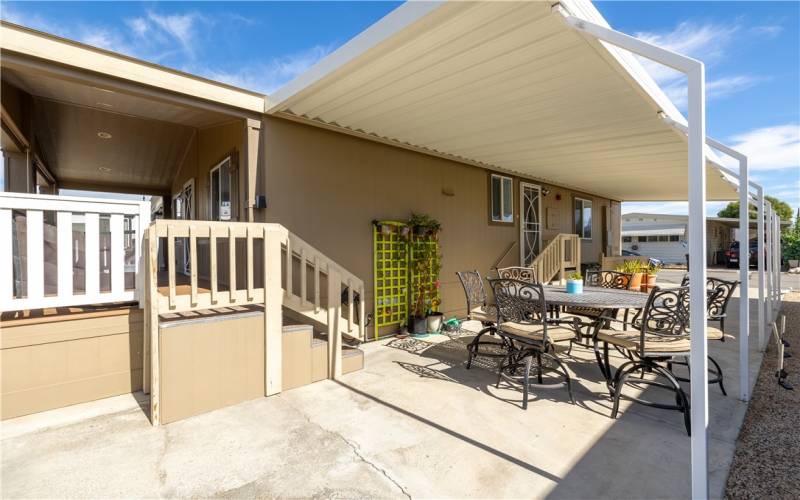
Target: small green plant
<point>576,276</point>
<point>631,267</point>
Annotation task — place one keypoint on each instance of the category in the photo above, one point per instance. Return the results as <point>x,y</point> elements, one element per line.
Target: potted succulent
<point>575,283</point>
<point>634,268</point>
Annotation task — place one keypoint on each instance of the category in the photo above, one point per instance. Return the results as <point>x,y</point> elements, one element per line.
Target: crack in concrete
<point>356,450</point>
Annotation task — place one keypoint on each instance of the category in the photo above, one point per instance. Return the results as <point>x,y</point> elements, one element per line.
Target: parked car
<point>651,261</point>
<point>732,254</point>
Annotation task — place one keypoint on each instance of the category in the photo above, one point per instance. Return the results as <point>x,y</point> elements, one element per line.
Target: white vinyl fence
<point>58,251</point>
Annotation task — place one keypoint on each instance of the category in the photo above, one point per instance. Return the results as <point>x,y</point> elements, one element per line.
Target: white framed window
<point>502,199</point>
<point>582,208</point>
<point>220,191</point>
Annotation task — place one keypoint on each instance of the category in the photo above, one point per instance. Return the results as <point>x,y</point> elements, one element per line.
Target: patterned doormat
<point>409,344</point>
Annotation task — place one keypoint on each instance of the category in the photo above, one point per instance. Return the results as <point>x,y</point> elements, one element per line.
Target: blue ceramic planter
<point>574,286</point>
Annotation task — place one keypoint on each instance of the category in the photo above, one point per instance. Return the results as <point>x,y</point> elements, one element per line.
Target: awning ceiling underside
<point>508,86</point>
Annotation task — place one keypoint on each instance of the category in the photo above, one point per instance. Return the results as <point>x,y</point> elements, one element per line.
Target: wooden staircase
<point>562,253</point>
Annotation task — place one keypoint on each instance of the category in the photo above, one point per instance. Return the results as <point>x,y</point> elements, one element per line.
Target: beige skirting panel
<point>58,361</point>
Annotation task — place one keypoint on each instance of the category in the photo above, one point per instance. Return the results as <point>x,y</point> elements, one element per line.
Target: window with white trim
<point>220,192</point>
<point>502,199</point>
<point>582,209</point>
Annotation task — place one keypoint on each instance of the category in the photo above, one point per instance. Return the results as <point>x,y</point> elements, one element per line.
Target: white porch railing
<point>45,262</point>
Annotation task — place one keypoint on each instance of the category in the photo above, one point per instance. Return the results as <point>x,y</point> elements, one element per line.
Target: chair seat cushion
<point>654,344</point>
<point>484,314</point>
<point>714,333</point>
<point>555,333</point>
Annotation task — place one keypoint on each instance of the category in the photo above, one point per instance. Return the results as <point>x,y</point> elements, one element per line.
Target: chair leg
<point>718,374</point>
<point>619,380</point>
<point>500,370</point>
<point>525,387</point>
<point>567,378</point>
<point>538,367</point>
<point>472,347</point>
<point>683,400</point>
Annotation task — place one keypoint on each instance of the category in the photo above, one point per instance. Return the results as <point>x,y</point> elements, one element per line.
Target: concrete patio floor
<point>408,425</point>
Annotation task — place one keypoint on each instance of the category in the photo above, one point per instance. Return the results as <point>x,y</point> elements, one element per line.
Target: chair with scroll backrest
<point>478,309</point>
<point>522,317</point>
<point>662,336</point>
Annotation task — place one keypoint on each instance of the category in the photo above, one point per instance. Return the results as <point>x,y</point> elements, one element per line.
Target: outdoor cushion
<point>555,333</point>
<point>714,333</point>
<point>484,314</point>
<point>654,344</point>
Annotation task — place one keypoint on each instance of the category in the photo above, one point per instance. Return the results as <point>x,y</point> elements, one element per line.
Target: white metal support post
<point>769,250</point>
<point>744,265</point>
<point>695,72</point>
<point>762,318</point>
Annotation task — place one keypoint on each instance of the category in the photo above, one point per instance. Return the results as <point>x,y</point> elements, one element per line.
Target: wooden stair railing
<point>562,253</point>
<point>286,273</point>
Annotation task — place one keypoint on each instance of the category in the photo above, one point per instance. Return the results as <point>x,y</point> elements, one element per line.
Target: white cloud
<point>138,26</point>
<point>268,76</point>
<point>707,42</point>
<point>180,27</point>
<point>770,148</point>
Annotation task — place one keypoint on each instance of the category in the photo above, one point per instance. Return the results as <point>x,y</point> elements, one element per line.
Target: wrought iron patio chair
<point>526,274</point>
<point>522,317</point>
<point>479,309</point>
<point>663,334</point>
<point>719,295</point>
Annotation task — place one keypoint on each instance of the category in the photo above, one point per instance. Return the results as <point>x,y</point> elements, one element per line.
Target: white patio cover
<point>507,86</point>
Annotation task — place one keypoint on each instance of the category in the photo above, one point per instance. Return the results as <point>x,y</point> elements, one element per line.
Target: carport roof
<point>507,86</point>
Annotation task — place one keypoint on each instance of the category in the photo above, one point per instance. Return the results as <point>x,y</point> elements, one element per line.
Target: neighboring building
<point>663,236</point>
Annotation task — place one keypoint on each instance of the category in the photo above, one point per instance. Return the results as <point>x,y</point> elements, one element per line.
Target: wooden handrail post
<point>334,313</point>
<point>153,364</point>
<point>273,313</point>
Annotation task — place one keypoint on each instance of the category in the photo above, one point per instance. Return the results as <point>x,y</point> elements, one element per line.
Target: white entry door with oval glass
<point>530,222</point>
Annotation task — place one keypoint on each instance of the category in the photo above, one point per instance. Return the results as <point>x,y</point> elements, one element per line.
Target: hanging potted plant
<point>575,283</point>
<point>424,225</point>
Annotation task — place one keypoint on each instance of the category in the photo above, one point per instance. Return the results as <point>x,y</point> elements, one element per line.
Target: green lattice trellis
<point>390,273</point>
<point>396,273</point>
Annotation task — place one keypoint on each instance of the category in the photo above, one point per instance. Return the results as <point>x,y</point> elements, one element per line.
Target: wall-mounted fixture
<point>545,191</point>
<point>104,135</point>
<point>260,201</point>
<point>558,196</point>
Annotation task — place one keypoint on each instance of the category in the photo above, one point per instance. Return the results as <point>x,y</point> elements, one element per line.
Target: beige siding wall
<point>48,365</point>
<point>209,146</point>
<point>210,365</point>
<point>328,187</point>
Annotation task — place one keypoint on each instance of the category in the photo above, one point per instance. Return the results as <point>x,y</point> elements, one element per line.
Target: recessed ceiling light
<point>104,170</point>
<point>105,104</point>
<point>104,135</point>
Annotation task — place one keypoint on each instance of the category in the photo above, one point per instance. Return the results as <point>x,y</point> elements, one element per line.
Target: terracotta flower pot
<point>651,281</point>
<point>636,282</point>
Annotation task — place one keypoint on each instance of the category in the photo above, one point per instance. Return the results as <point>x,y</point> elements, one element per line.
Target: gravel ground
<point>767,459</point>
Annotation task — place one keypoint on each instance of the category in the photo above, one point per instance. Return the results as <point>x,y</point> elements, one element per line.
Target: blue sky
<point>751,51</point>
